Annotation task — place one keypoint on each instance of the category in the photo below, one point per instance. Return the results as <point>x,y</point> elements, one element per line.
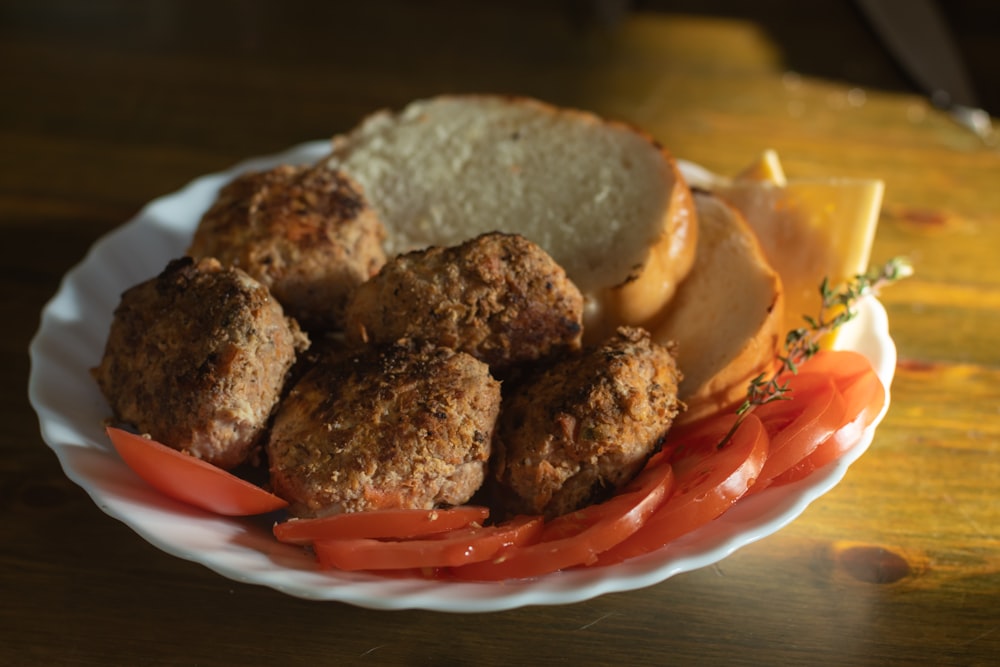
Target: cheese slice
<point>767,168</point>
<point>809,229</point>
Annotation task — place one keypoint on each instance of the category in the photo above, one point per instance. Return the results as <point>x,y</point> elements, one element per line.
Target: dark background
<point>824,38</point>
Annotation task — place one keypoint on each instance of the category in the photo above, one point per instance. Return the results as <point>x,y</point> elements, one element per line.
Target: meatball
<point>498,297</point>
<point>584,426</point>
<point>198,358</point>
<point>404,426</point>
<point>307,233</point>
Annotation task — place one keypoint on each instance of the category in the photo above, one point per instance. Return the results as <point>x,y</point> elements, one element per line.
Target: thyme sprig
<point>838,307</point>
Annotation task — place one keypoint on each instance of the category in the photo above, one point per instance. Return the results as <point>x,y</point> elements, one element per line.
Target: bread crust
<point>641,301</point>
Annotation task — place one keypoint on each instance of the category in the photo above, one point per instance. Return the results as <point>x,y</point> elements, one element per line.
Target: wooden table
<point>108,104</point>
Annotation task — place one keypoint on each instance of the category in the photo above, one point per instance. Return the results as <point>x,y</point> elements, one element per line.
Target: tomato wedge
<point>863,397</point>
<point>190,480</point>
<point>797,426</point>
<point>449,549</point>
<point>709,480</point>
<point>578,537</point>
<point>394,523</point>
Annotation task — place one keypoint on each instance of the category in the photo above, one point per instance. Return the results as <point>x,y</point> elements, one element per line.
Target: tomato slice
<point>797,426</point>
<point>863,398</point>
<point>709,479</point>
<point>394,523</point>
<point>190,480</point>
<point>449,549</point>
<point>578,537</point>
<point>845,366</point>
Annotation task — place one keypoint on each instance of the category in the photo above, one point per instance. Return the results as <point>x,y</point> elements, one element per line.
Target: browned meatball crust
<point>498,296</point>
<point>307,233</point>
<point>576,431</point>
<point>404,426</point>
<point>197,358</point>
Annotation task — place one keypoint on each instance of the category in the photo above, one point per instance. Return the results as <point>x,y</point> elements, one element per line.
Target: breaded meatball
<point>307,233</point>
<point>403,426</point>
<point>197,358</point>
<point>499,297</point>
<point>579,429</point>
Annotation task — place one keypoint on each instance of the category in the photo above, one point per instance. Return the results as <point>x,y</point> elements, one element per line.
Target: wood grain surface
<point>109,104</point>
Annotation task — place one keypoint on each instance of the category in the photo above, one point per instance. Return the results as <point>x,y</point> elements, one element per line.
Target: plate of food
<point>626,247</point>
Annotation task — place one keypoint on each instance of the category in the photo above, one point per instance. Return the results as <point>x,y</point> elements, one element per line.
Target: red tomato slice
<point>578,537</point>
<point>708,481</point>
<point>863,398</point>
<point>450,549</point>
<point>844,366</point>
<point>797,426</point>
<point>393,523</point>
<point>190,480</point>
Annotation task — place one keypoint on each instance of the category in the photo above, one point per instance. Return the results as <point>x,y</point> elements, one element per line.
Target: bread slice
<point>604,199</point>
<point>809,229</point>
<point>727,316</point>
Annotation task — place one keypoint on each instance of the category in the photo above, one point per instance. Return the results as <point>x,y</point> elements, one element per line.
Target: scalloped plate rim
<point>241,549</point>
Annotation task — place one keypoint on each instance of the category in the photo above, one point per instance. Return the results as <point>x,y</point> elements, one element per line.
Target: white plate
<point>70,409</point>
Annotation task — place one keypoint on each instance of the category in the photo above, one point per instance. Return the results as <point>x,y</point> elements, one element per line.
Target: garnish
<point>838,307</point>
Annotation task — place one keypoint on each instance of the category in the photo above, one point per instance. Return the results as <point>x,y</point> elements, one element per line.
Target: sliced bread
<point>727,316</point>
<point>604,199</point>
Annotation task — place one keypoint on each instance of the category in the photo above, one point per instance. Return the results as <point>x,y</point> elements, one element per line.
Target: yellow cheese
<point>809,229</point>
<point>765,169</point>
